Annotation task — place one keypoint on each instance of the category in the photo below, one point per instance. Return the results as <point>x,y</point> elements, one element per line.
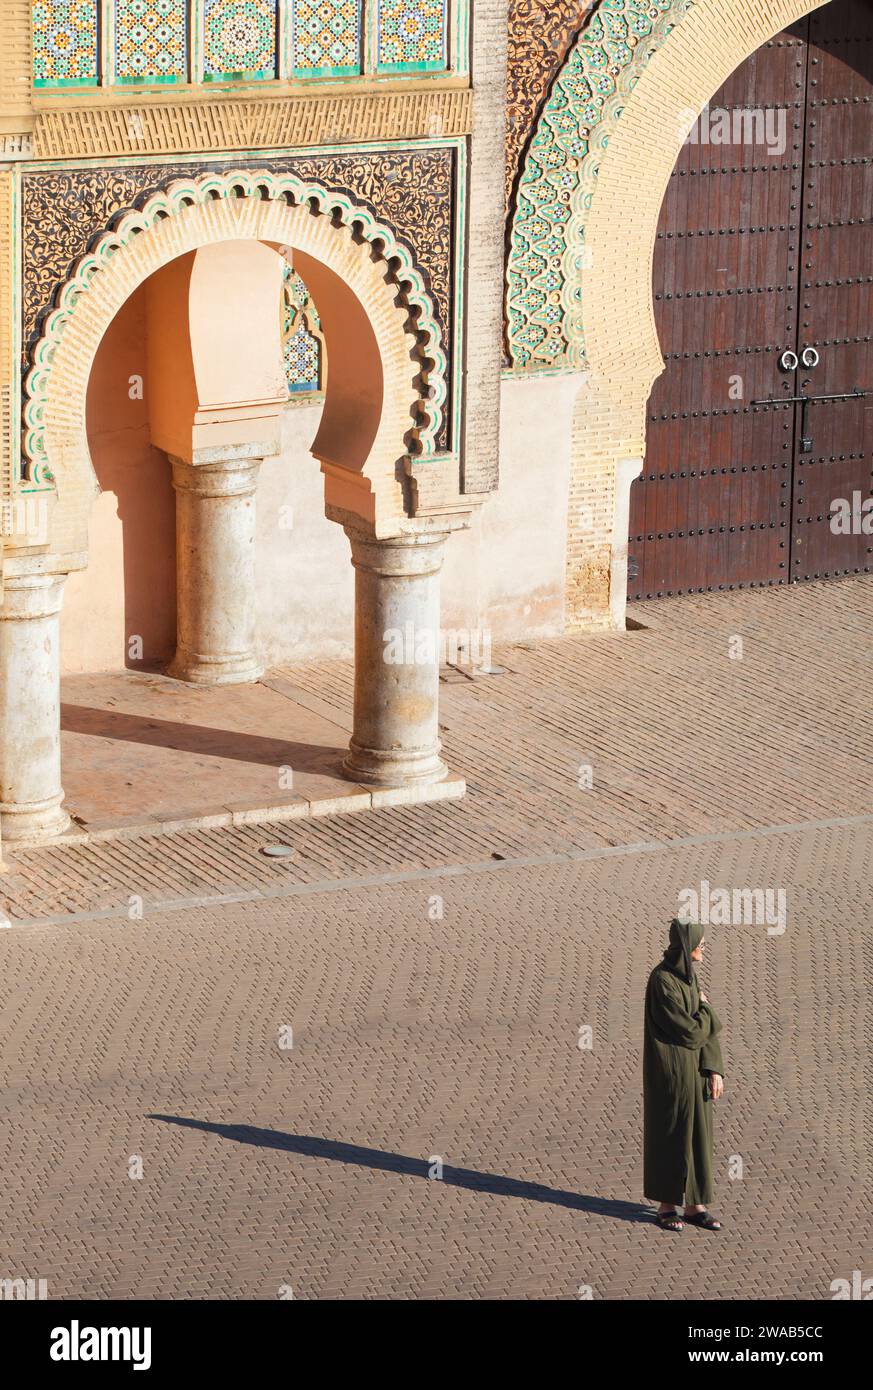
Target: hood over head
<point>684,937</point>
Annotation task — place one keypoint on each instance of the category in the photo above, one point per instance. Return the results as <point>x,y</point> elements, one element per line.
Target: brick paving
<point>141,748</point>
<point>423,1029</point>
<point>680,738</point>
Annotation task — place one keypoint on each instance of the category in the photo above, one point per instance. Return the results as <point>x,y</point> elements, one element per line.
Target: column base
<point>205,670</point>
<point>376,767</point>
<point>33,821</point>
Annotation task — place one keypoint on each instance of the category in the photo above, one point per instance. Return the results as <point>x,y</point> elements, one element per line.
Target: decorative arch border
<point>607,302</point>
<point>616,309</point>
<point>557,179</point>
<point>229,205</point>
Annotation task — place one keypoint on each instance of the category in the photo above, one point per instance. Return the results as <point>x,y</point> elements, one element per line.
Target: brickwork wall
<point>484,280</point>
<point>15,112</point>
<point>604,430</point>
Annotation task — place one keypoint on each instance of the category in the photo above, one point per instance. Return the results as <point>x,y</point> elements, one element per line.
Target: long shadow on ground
<point>311,1146</point>
<point>182,736</point>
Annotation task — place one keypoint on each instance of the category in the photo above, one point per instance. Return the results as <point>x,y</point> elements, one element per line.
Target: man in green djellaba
<point>683,1074</point>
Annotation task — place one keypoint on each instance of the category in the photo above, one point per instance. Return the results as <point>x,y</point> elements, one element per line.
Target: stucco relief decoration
<point>183,194</point>
<point>540,32</point>
<point>547,235</point>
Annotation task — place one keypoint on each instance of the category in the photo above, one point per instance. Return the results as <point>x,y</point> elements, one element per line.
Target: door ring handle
<point>809,357</point>
<point>789,361</point>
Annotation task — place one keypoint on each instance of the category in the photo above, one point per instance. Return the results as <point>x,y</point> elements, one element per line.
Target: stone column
<point>30,707</point>
<point>626,470</point>
<point>395,742</point>
<point>215,571</point>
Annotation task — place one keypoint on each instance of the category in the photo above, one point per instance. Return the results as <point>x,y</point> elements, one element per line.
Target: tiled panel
<point>412,35</point>
<point>301,347</point>
<point>64,43</point>
<point>239,39</point>
<point>325,37</point>
<point>151,42</point>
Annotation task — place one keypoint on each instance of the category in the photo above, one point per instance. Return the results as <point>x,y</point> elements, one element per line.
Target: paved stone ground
<point>143,754</point>
<point>680,738</point>
<point>417,1034</point>
<point>140,746</point>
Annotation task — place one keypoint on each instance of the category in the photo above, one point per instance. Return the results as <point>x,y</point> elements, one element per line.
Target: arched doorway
<point>382,404</point>
<point>121,610</point>
<point>763,293</point>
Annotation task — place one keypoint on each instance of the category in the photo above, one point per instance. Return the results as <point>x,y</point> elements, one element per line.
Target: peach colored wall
<point>215,347</point>
<point>236,323</point>
<point>354,402</point>
<point>173,390</point>
<point>129,587</point>
<point>506,573</point>
<point>305,581</point>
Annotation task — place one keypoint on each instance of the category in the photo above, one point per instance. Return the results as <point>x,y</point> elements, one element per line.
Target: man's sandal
<point>670,1221</point>
<point>705,1220</point>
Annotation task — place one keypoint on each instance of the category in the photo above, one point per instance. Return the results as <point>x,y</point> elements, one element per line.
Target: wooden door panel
<point>760,317</point>
<point>836,301</point>
<point>838,257</point>
<point>713,507</point>
<point>741,270</point>
<point>839,129</point>
<point>699,384</point>
<point>758,252</point>
<point>768,75</point>
<point>687,565</point>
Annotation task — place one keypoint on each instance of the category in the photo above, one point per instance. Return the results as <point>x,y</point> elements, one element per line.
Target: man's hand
<point>703,998</point>
<point>717,1085</point>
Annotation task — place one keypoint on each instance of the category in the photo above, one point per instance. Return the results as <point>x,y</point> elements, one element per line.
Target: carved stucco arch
<point>234,205</point>
<point>710,42</point>
<point>617,312</point>
<point>614,202</point>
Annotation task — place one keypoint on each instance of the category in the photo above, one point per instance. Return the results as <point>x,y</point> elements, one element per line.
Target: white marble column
<point>395,742</point>
<point>31,794</point>
<point>215,571</point>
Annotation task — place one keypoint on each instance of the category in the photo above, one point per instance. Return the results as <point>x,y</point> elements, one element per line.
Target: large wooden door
<point>836,301</point>
<point>765,248</point>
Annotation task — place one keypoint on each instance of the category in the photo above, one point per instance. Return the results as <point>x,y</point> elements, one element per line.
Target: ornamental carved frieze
<point>557,178</point>
<point>411,191</point>
<point>540,34</point>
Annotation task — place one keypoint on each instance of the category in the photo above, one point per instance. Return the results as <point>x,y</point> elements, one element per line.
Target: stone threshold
<point>240,813</point>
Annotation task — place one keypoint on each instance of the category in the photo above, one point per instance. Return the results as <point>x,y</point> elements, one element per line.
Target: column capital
<point>418,553</point>
<point>31,596</point>
<point>225,477</point>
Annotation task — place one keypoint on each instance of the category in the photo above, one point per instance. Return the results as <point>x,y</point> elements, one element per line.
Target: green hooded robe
<point>680,1049</point>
